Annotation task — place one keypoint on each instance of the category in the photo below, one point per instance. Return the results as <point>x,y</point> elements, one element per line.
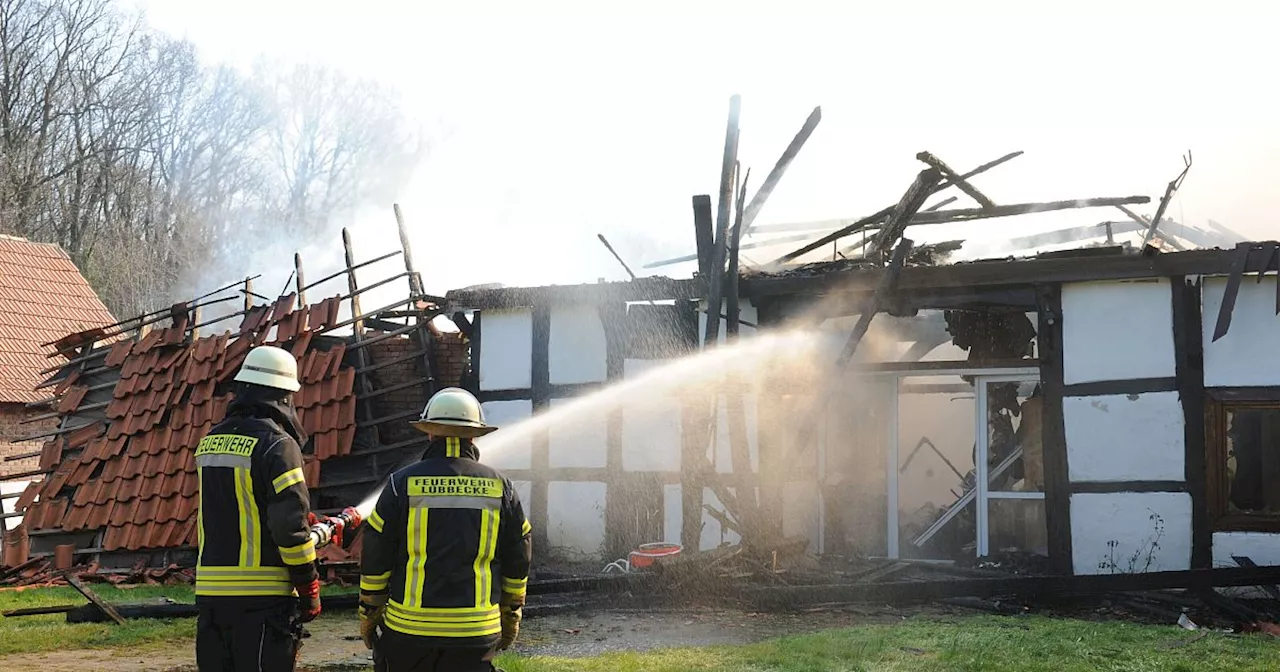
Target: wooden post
<point>424,336</point>
<point>415,280</point>
<point>357,329</point>
<point>248,293</point>
<point>358,325</point>
<point>195,321</point>
<point>727,169</point>
<point>735,401</point>
<point>301,281</point>
<point>704,236</point>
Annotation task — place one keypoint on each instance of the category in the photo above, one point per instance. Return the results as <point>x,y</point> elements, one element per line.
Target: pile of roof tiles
<point>133,473</point>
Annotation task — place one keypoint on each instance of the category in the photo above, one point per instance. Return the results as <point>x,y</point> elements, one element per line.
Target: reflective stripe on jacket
<point>254,537</point>
<point>446,538</point>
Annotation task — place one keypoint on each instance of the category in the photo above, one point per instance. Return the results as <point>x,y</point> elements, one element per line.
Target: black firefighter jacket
<point>254,537</point>
<point>447,537</point>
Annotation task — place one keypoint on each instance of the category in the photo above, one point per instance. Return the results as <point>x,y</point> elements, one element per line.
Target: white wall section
<point>504,452</point>
<point>579,441</point>
<point>1117,533</point>
<point>1259,547</point>
<point>1246,356</point>
<point>1117,331</point>
<point>575,517</point>
<point>651,431</point>
<point>577,349</point>
<point>506,349</point>
<point>1125,437</point>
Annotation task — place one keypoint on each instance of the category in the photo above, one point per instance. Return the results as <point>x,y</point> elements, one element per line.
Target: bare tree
<point>148,166</point>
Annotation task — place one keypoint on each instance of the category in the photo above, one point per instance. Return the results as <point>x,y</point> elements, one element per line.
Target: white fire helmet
<point>269,366</point>
<point>453,411</point>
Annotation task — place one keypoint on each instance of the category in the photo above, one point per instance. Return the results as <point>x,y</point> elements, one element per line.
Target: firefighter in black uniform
<point>446,553</point>
<point>256,579</point>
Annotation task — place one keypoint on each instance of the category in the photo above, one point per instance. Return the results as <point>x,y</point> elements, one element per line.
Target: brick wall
<point>453,354</point>
<point>411,398</point>
<point>11,415</point>
<point>451,358</point>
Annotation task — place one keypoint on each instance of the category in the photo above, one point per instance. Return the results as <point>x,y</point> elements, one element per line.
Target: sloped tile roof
<point>43,297</point>
<point>133,474</point>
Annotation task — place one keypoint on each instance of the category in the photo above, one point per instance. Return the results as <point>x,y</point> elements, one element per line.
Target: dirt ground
<point>335,647</point>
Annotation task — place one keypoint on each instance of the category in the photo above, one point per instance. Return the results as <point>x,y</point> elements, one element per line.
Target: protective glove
<point>308,600</point>
<point>372,610</point>
<point>509,611</point>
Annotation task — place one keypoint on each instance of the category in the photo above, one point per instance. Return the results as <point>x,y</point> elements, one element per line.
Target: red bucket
<point>648,554</point>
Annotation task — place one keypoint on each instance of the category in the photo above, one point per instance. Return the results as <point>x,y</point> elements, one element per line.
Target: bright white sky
<point>559,126</point>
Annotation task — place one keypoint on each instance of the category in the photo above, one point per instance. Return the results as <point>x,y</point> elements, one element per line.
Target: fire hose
<point>327,530</point>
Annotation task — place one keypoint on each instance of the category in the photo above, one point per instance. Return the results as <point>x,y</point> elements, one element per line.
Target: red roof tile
<point>51,454</point>
<point>136,475</point>
<point>118,353</point>
<point>43,297</point>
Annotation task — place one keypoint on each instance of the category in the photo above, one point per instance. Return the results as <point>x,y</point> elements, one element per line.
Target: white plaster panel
<point>714,534</point>
<point>575,516</point>
<point>1119,437</point>
<point>1117,331</point>
<point>511,446</point>
<point>672,513</point>
<point>1125,520</point>
<point>723,458</point>
<point>651,431</point>
<point>506,349</point>
<point>1246,356</point>
<point>581,440</point>
<point>1259,547</point>
<point>746,311</point>
<point>800,512</point>
<point>577,350</point>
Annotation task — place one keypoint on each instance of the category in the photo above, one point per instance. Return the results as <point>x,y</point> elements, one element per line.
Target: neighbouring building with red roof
<point>43,297</point>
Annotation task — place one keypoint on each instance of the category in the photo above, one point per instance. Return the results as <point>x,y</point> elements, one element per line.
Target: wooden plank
<point>888,281</point>
<point>540,401</point>
<point>41,611</point>
<point>350,267</point>
<point>715,292</point>
<point>1112,487</point>
<point>1031,586</point>
<point>879,216</point>
<point>704,233</point>
<point>961,183</point>
<point>1188,353</point>
<point>93,597</point>
<point>300,281</point>
<point>1246,561</point>
<point>1057,483</point>
<point>1130,386</point>
<point>1005,273</point>
<point>415,279</point>
<point>912,200</point>
<point>1239,262</point>
<point>779,168</point>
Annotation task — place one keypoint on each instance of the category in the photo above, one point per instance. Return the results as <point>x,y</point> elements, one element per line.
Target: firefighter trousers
<point>247,634</point>
<point>398,652</point>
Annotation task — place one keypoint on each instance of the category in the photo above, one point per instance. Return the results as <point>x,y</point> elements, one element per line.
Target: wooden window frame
<point>1218,402</point>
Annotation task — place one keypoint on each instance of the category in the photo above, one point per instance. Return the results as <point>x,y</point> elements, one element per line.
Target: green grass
<point>967,644</point>
<point>987,644</point>
<point>32,634</point>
